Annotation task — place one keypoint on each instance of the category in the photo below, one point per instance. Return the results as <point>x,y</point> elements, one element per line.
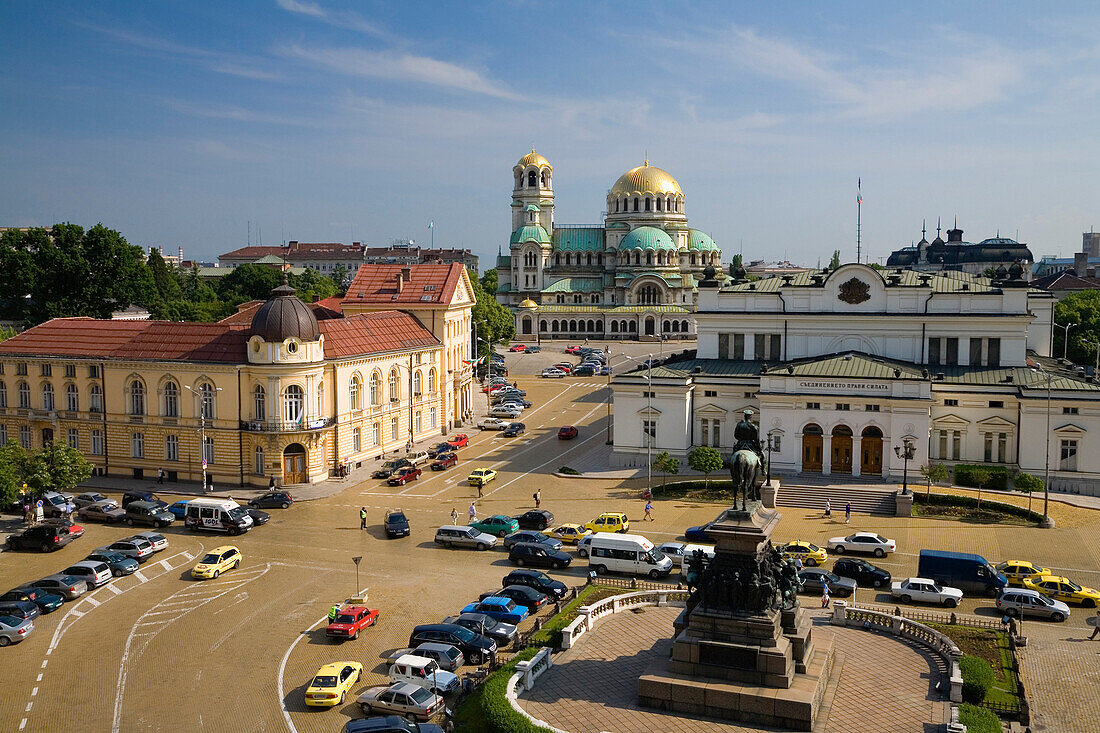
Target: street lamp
<point>1046,470</point>
<point>1096,367</point>
<point>202,429</point>
<point>357,560</point>
<point>769,448</point>
<point>1065,341</point>
<point>905,452</point>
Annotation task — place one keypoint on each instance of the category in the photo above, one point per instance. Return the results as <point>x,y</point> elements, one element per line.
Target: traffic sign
<point>204,464</point>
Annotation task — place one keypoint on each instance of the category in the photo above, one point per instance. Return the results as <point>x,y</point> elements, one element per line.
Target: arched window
<point>259,403</point>
<point>658,203</point>
<point>431,381</point>
<point>667,326</point>
<point>393,385</point>
<point>649,258</point>
<point>573,326</point>
<point>393,428</point>
<point>72,398</point>
<point>293,404</point>
<point>614,327</point>
<point>542,325</point>
<point>416,383</point>
<point>554,326</point>
<point>47,397</point>
<point>206,400</point>
<point>637,258</point>
<point>353,392</point>
<point>616,206</point>
<point>320,398</point>
<point>208,450</point>
<point>171,399</point>
<point>633,327</point>
<point>259,466</point>
<point>519,179</point>
<point>635,203</point>
<point>599,258</point>
<point>546,179</point>
<point>532,179</point>
<point>137,398</point>
<point>95,403</point>
<point>3,394</point>
<point>589,259</point>
<point>648,204</point>
<point>693,258</point>
<point>375,388</point>
<point>557,258</point>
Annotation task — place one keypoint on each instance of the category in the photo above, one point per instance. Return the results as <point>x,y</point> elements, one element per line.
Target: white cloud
<point>340,19</point>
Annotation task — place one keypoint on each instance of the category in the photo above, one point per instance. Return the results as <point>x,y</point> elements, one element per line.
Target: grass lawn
<point>992,646</point>
<point>971,515</point>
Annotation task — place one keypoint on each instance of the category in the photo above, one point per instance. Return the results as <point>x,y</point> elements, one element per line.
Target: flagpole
<point>859,217</point>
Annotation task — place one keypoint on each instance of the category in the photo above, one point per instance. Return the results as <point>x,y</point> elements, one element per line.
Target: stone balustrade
<point>588,615</point>
<point>524,679</point>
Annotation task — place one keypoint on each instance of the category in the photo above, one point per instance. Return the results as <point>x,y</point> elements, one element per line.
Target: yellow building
<point>282,394</point>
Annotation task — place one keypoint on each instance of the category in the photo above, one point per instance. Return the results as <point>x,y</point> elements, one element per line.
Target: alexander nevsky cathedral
<point>633,277</point>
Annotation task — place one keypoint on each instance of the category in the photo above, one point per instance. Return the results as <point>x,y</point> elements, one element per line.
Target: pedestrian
<point>848,512</point>
<point>332,612</point>
<point>362,517</point>
<point>648,512</point>
<point>1095,621</point>
<point>825,595</point>
<point>409,447</point>
<point>271,483</point>
<point>454,515</point>
<point>160,475</point>
<point>828,509</point>
<point>472,513</point>
<point>538,498</point>
<point>480,487</point>
<point>798,564</point>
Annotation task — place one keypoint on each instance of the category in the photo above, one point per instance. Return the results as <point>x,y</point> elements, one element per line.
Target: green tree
<point>705,460</point>
<point>488,281</point>
<point>248,282</point>
<point>56,467</point>
<point>933,473</point>
<point>666,464</point>
<point>340,277</point>
<point>1027,482</point>
<point>12,461</point>
<point>495,323</point>
<point>1082,308</point>
<point>6,332</point>
<point>311,284</point>
<point>835,261</point>
<point>17,265</point>
<point>980,477</point>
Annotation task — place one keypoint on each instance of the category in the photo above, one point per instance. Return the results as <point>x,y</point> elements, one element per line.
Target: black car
<point>45,600</point>
<point>386,469</point>
<point>813,580</point>
<point>479,623</point>
<point>258,517</point>
<point>534,349</point>
<point>389,724</point>
<point>523,595</point>
<point>538,580</point>
<point>535,519</point>
<point>584,370</point>
<point>396,524</point>
<point>475,647</point>
<point>863,572</point>
<point>44,537</point>
<point>132,496</point>
<point>532,536</point>
<point>531,553</point>
<point>514,429</point>
<point>272,500</point>
<point>20,609</point>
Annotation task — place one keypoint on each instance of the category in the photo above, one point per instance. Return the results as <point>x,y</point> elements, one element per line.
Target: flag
<point>431,224</point>
<point>859,190</point>
<point>479,360</point>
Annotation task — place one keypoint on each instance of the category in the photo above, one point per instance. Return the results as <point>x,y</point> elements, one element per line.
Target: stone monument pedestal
<point>756,665</point>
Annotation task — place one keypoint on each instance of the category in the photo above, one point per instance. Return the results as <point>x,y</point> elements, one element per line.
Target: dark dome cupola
<point>283,316</point>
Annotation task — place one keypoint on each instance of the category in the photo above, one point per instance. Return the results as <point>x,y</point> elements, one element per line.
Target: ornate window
<point>97,443</point>
<point>356,437</point>
<point>95,403</point>
<point>353,392</point>
<point>208,450</point>
<point>431,417</point>
<point>431,381</point>
<point>416,382</point>
<point>259,465</point>
<point>171,400</point>
<point>25,437</point>
<point>74,439</point>
<point>293,404</point>
<point>137,398</point>
<point>376,434</point>
<point>393,386</point>
<point>259,403</point>
<point>393,428</point>
<point>24,396</point>
<point>137,445</point>
<point>47,397</point>
<point>3,394</point>
<point>320,398</point>
<point>206,400</point>
<point>172,447</point>
<point>375,388</point>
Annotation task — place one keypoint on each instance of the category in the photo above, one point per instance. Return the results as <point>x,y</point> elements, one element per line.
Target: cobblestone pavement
<point>884,685</point>
<point>1061,675</point>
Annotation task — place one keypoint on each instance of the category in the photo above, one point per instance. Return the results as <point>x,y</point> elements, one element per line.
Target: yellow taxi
<point>570,533</point>
<point>331,683</point>
<point>1017,571</point>
<point>1063,589</point>
<point>481,476</point>
<point>808,552</point>
<point>609,522</point>
<point>216,562</point>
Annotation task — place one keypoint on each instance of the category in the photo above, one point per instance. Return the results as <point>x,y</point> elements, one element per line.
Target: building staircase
<point>865,499</point>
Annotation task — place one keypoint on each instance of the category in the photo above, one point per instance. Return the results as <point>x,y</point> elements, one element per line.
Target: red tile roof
<point>371,333</point>
<point>253,253</point>
<point>171,341</point>
<point>1066,281</point>
<point>322,310</point>
<point>429,283</point>
<point>86,337</point>
<point>297,250</point>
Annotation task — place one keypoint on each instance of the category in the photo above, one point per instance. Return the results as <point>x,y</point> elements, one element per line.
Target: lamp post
<point>357,560</point>
<point>769,448</point>
<point>1096,366</point>
<point>488,372</point>
<point>905,452</point>
<point>202,429</point>
<point>1046,468</point>
<point>1065,341</point>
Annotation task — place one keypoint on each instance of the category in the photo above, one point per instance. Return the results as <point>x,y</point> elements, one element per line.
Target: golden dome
<point>534,159</point>
<point>528,303</point>
<point>646,179</point>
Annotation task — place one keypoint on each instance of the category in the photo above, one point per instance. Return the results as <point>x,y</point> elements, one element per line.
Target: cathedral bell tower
<point>534,186</point>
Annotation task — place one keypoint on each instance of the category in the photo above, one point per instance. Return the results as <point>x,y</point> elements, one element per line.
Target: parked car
<point>923,590</point>
<point>42,537</point>
<point>119,564</point>
<point>570,533</point>
<point>272,500</point>
<point>404,475</point>
<point>497,524</point>
<point>519,347</point>
<point>75,530</point>
<point>20,609</point>
<point>531,536</point>
<point>609,522</point>
<point>55,504</point>
<point>444,461</point>
<point>14,630</point>
<point>216,562</point>
<point>1027,602</point>
<point>869,542</point>
<point>400,698</point>
<point>863,572</point>
<point>1063,589</point>
<point>568,432</point>
<point>810,554</point>
<point>446,656</point>
<point>438,448</point>
<point>389,724</point>
<point>1017,571</point>
<point>514,429</point>
<point>156,539</point>
<point>146,512</point>
<point>418,458</point>
<point>464,536</point>
<point>535,519</point>
<point>538,555</point>
<point>386,469</point>
<point>107,511</point>
<point>332,683</point>
<point>534,349</point>
<point>673,550</point>
<point>139,549</point>
<point>567,368</point>
<point>396,524</point>
<point>458,440</point>
<point>423,672</point>
<point>501,632</point>
<point>47,602</point>
<point>585,370</point>
<point>258,516</point>
<point>66,586</point>
<point>553,373</point>
<point>88,498</point>
<point>963,570</point>
<point>493,423</point>
<point>522,595</point>
<point>481,476</point>
<point>92,572</point>
<point>513,405</point>
<point>604,371</point>
<point>497,607</point>
<point>475,647</point>
<point>505,411</point>
<point>179,508</point>
<point>538,580</point>
<point>350,620</point>
<point>136,495</point>
<point>814,580</point>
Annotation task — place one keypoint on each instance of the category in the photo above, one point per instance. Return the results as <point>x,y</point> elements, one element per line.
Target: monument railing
<point>587,616</point>
<point>936,617</point>
<point>524,679</point>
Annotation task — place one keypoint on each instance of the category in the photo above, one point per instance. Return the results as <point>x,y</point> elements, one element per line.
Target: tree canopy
<point>834,262</point>
<point>56,467</point>
<point>494,322</point>
<point>1083,309</point>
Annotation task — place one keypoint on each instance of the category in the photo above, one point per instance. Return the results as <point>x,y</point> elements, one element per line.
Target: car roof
<point>1025,591</point>
<point>413,659</point>
<point>333,667</point>
<point>223,548</point>
<point>496,601</point>
<point>86,564</point>
<point>353,609</point>
<point>404,688</point>
<point>920,580</point>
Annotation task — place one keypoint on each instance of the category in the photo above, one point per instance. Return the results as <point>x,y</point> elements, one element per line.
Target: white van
<point>627,553</point>
<point>423,672</point>
<point>217,515</point>
<point>708,555</point>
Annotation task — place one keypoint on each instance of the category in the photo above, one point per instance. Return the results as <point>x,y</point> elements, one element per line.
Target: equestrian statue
<point>747,461</point>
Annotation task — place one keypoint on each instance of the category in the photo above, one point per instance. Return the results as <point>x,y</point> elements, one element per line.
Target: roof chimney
<point>1080,263</point>
<point>316,298</point>
<point>407,273</point>
<point>400,277</point>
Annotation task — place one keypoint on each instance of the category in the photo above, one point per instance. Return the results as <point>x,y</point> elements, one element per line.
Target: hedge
<point>971,501</point>
<point>977,678</point>
<point>550,633</point>
<point>979,720</point>
<point>998,476</point>
<point>499,714</point>
<point>680,487</point>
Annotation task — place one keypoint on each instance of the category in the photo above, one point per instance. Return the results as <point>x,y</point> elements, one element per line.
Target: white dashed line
<point>93,601</point>
<point>34,692</point>
<point>166,565</point>
<point>76,613</point>
<point>114,589</point>
<point>22,724</point>
<point>139,576</point>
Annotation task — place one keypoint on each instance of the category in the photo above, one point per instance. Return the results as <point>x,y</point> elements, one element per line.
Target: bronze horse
<point>745,467</point>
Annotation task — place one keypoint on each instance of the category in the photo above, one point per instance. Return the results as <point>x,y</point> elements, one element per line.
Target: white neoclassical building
<point>842,366</point>
<point>633,277</point>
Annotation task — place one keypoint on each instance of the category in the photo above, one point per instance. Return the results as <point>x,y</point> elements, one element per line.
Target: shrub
<point>680,488</point>
<point>979,720</point>
<point>550,633</point>
<point>977,678</point>
<point>1027,482</point>
<point>970,501</point>
<point>965,475</point>
<point>488,708</point>
<point>569,471</point>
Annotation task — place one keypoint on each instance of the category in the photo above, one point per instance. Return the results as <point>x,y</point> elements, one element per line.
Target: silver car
<point>155,539</point>
<point>14,630</point>
<point>458,536</point>
<point>448,657</point>
<point>88,498</point>
<point>67,586</point>
<point>1027,602</point>
<point>401,698</point>
<point>107,510</point>
<point>138,548</point>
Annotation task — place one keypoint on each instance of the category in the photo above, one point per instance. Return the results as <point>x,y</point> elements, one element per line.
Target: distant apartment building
<point>955,254</point>
<point>324,257</point>
<point>413,255</point>
<point>762,268</point>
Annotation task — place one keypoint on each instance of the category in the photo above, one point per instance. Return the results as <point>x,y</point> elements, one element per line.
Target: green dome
<point>700,241</point>
<point>647,238</point>
<point>530,233</point>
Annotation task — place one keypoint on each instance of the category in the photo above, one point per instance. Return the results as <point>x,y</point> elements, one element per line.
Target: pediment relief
<point>950,419</point>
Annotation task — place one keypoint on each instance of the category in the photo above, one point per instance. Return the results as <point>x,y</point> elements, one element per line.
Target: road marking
<point>76,613</point>
<point>114,589</point>
<point>92,601</point>
<point>39,677</point>
<point>22,724</point>
<point>140,577</point>
<point>282,669</point>
<point>44,663</point>
<point>166,565</point>
<point>34,691</point>
<point>28,708</point>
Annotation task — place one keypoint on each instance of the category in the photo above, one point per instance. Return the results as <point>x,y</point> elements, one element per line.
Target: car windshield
<point>472,532</point>
<point>344,618</point>
<point>832,577</point>
<point>1043,600</point>
<point>397,518</point>
<point>324,680</point>
<point>937,587</point>
<point>210,557</point>
<point>465,634</point>
<point>541,577</point>
<point>1073,586</point>
<point>237,513</point>
<point>655,556</point>
<point>10,621</point>
<point>421,696</point>
<point>881,539</point>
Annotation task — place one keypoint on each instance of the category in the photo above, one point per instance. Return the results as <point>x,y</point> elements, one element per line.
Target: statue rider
<point>748,437</point>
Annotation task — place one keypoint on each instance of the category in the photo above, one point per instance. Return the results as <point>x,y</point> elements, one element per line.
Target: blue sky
<point>178,123</point>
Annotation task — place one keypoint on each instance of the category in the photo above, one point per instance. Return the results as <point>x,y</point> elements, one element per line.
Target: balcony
<point>281,426</point>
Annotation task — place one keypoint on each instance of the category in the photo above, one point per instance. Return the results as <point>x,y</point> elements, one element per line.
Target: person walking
<point>160,475</point>
<point>362,517</point>
<point>271,483</point>
<point>538,498</point>
<point>454,515</point>
<point>848,512</point>
<point>648,512</point>
<point>825,599</point>
<point>332,612</point>
<point>472,513</point>
<point>1095,621</point>
<point>828,509</point>
<point>798,564</point>
<point>480,487</point>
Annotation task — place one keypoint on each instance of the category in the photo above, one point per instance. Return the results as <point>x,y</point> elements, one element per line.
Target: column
<point>826,453</point>
<point>857,456</point>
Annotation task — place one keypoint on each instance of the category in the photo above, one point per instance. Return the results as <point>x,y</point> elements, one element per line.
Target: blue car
<point>179,509</point>
<point>118,563</point>
<point>502,609</point>
<point>45,600</point>
<point>699,534</point>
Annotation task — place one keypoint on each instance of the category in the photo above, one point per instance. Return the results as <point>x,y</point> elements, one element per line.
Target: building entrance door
<point>811,448</point>
<point>294,464</point>
<point>649,327</point>
<point>842,450</point>
<point>871,449</point>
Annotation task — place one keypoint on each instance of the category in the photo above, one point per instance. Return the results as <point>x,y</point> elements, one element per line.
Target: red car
<point>567,433</point>
<point>459,440</point>
<point>445,460</point>
<point>567,368</point>
<point>519,347</point>
<point>404,475</point>
<point>350,620</point>
<point>74,529</point>
<point>572,349</point>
